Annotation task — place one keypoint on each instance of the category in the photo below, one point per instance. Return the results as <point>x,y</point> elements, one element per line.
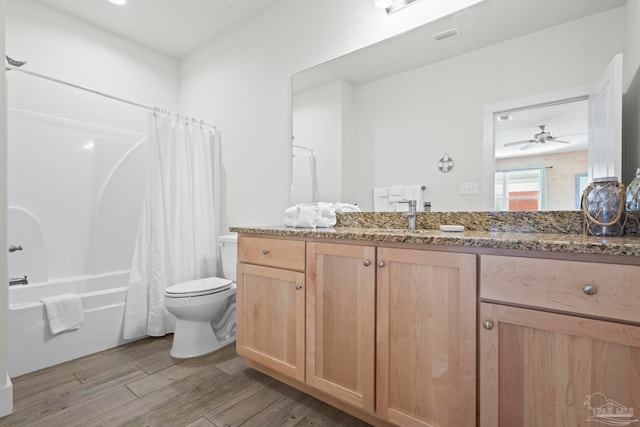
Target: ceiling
<point>567,122</point>
<point>172,27</point>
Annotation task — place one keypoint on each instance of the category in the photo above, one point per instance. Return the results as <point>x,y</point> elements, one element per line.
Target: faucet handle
<point>412,204</point>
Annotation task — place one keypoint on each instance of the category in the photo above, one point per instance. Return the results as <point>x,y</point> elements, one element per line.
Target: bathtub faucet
<point>14,248</point>
<point>18,281</point>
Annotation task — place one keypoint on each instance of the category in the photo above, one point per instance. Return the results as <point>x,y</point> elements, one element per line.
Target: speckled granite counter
<point>535,231</point>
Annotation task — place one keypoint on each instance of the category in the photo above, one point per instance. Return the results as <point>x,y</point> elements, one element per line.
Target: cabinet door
<point>547,369</point>
<point>270,321</point>
<point>426,335</point>
<point>341,321</point>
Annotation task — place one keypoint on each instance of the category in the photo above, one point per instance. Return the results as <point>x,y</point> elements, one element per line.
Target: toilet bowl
<point>205,308</point>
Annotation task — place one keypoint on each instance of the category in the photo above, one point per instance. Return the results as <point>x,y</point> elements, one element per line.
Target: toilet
<point>205,309</point>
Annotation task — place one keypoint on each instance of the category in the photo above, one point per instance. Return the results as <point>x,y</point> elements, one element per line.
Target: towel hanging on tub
<point>64,312</point>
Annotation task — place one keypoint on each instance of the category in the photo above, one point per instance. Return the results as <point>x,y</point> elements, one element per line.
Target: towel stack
<point>389,199</point>
<point>316,215</point>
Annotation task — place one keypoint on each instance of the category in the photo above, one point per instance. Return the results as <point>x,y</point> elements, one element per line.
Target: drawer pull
<point>366,262</point>
<point>265,251</point>
<point>381,264</point>
<point>488,325</point>
<point>590,290</point>
<point>298,286</point>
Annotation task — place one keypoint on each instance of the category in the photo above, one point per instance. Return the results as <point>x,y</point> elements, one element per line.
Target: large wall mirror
<point>385,115</point>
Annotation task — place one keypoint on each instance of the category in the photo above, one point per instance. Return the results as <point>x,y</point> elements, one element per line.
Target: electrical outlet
<point>468,188</point>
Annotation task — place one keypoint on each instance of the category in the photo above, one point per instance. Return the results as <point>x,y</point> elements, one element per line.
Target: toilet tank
<point>229,251</point>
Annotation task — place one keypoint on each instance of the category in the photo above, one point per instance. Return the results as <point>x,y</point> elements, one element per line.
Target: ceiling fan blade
<point>563,142</point>
<point>526,147</point>
<point>528,141</point>
<point>570,134</point>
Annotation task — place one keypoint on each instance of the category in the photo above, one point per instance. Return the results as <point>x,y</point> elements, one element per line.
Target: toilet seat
<point>198,288</point>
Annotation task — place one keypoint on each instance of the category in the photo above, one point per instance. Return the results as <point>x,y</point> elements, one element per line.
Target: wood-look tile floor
<point>139,384</point>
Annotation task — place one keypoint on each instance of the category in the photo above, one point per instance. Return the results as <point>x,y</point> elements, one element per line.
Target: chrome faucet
<point>411,215</point>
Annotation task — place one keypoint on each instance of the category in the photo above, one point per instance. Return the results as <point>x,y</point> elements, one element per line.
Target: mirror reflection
<point>384,116</point>
<point>541,156</point>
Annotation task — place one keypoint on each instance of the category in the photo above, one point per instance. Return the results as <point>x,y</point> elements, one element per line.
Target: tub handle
<point>14,248</point>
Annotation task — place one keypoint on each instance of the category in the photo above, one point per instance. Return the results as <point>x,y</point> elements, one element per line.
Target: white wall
<point>413,118</point>
<point>60,46</point>
<point>242,82</point>
<point>631,97</point>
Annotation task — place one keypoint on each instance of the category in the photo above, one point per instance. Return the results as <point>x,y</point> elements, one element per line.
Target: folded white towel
<point>381,192</point>
<point>396,193</point>
<point>64,312</point>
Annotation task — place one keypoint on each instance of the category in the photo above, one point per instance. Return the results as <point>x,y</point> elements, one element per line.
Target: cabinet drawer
<point>591,289</point>
<point>281,253</point>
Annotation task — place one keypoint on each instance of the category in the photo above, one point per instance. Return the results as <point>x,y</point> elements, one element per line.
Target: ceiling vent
<point>448,34</point>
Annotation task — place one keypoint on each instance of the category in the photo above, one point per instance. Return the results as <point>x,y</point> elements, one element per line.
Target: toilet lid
<point>204,286</point>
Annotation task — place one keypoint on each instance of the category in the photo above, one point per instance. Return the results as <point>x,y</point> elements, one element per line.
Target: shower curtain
<point>177,235</point>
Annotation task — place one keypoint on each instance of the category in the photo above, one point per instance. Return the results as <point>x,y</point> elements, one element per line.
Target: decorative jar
<point>603,204</point>
<point>633,205</point>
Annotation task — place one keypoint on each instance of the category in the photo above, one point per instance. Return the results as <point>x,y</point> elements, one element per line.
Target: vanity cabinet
<point>559,342</point>
<point>340,303</point>
<point>388,334</point>
<point>270,321</point>
<point>426,337</point>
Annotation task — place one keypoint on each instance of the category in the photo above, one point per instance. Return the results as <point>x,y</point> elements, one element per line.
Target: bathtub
<point>30,344</point>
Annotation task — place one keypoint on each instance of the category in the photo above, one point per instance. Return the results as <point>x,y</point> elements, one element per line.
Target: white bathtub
<point>32,346</point>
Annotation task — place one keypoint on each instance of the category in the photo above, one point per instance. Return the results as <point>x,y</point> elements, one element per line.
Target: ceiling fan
<point>541,137</point>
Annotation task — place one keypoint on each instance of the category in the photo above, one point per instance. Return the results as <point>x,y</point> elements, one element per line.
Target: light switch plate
<point>468,188</point>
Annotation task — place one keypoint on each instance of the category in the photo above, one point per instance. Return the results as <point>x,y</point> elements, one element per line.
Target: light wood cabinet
<point>539,367</point>
<point>340,304</point>
<point>270,321</point>
<point>426,338</point>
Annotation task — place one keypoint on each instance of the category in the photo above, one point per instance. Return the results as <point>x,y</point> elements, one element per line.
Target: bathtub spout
<point>18,281</point>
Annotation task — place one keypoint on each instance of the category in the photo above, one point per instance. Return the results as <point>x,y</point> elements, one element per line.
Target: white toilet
<point>205,309</point>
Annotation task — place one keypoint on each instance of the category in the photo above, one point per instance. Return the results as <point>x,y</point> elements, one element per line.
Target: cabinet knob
<point>366,262</point>
<point>488,325</point>
<point>298,286</point>
<point>590,290</point>
<point>265,251</point>
<point>381,264</point>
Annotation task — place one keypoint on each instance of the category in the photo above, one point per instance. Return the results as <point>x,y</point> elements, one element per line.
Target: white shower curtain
<point>177,235</point>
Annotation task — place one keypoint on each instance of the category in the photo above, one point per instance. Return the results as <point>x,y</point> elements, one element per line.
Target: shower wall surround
<point>75,194</point>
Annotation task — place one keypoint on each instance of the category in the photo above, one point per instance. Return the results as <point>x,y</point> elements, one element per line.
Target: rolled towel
<point>64,312</point>
<point>327,210</point>
<point>347,207</point>
<point>325,222</point>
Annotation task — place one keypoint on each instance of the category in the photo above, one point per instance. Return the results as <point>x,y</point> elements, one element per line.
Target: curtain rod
<point>106,95</point>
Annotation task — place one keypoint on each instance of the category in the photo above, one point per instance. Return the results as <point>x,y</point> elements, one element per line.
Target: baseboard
<point>6,398</point>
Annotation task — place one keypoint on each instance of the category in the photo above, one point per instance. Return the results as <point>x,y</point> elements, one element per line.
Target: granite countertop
<point>542,231</point>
